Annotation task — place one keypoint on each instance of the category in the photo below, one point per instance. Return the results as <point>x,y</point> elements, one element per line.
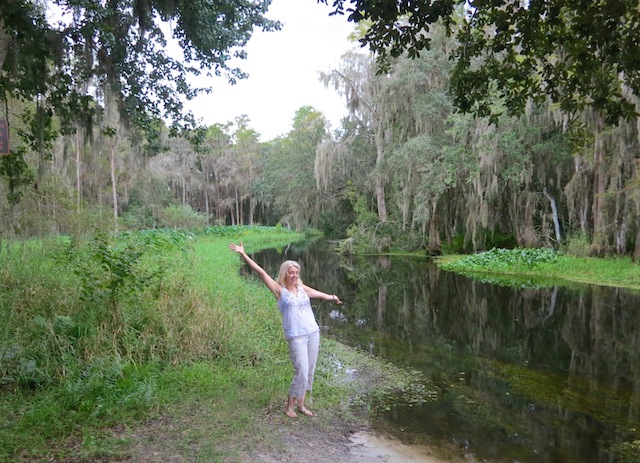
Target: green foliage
<point>16,172</point>
<point>110,271</point>
<point>543,267</point>
<point>147,200</point>
<point>577,246</point>
<point>288,170</point>
<point>500,240</point>
<point>455,246</point>
<point>255,232</point>
<point>516,60</point>
<point>79,302</point>
<point>504,259</point>
<point>52,59</point>
<point>628,451</point>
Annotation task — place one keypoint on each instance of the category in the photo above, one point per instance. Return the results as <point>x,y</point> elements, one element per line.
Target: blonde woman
<point>300,327</point>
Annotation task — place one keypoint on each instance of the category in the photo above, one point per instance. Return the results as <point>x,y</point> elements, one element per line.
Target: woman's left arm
<point>315,294</point>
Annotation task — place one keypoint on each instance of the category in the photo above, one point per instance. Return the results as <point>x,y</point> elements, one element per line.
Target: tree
<point>245,152</point>
<point>365,97</point>
<point>72,57</point>
<point>121,44</point>
<point>289,170</point>
<point>64,63</point>
<point>578,53</point>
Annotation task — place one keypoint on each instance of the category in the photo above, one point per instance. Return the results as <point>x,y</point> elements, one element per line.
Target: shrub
<point>182,217</point>
<point>577,246</point>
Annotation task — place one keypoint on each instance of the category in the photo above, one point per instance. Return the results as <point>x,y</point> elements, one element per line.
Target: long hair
<point>284,268</point>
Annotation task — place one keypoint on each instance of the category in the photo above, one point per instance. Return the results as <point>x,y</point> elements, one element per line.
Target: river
<point>520,371</point>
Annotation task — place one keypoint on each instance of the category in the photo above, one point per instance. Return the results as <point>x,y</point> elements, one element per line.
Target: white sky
<point>283,71</point>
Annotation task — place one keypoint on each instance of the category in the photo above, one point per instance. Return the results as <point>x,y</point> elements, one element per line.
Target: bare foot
<point>306,411</point>
<point>290,413</point>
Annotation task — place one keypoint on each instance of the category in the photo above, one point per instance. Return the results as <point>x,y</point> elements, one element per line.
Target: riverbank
<point>218,426</point>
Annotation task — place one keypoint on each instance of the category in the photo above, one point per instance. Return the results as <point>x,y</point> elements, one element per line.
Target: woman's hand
<point>273,286</point>
<point>239,248</point>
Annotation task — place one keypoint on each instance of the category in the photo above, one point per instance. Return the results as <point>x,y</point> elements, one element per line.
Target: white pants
<point>303,351</point>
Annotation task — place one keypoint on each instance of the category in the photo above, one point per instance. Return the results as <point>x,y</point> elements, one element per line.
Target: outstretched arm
<point>273,286</point>
<point>315,294</point>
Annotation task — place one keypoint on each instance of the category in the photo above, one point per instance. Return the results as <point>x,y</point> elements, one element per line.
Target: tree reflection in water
<point>527,372</point>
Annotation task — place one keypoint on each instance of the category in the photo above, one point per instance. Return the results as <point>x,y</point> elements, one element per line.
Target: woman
<point>300,327</point>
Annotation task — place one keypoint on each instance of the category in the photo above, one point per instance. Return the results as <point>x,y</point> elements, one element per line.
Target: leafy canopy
<point>579,53</point>
<point>61,49</point>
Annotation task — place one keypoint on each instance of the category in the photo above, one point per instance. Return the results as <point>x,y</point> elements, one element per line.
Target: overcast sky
<point>283,71</point>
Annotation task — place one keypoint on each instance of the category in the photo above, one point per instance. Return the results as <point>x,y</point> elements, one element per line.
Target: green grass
<point>619,272</point>
<point>165,321</point>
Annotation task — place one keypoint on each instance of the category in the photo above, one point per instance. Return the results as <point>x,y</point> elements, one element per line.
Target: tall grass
<point>100,333</point>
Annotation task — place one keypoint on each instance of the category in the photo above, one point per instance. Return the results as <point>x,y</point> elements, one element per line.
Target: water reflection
<point>547,374</point>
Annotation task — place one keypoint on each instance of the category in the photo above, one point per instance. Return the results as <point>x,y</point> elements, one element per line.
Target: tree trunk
<point>435,244</point>
<point>42,163</point>
<point>252,209</point>
<point>554,212</point>
<point>114,194</point>
<point>599,185</point>
<point>636,251</point>
<point>78,171</point>
<point>5,39</point>
<point>380,180</point>
<point>238,216</point>
<point>529,231</point>
<point>206,203</point>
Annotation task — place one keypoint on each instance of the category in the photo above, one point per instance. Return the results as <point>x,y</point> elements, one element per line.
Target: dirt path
<point>199,434</point>
<point>339,443</point>
<point>304,440</point>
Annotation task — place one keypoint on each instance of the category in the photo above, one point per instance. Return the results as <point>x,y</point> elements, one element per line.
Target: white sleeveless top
<point>297,315</point>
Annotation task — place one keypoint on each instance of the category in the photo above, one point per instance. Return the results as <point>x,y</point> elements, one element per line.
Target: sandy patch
<point>368,448</point>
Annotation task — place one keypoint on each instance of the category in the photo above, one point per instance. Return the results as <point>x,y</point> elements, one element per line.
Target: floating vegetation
<point>372,382</point>
<point>496,259</point>
<point>505,267</point>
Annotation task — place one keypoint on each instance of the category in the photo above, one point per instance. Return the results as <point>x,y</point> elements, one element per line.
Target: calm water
<point>519,373</point>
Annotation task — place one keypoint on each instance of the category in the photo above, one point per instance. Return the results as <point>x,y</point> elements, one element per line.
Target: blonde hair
<point>284,268</point>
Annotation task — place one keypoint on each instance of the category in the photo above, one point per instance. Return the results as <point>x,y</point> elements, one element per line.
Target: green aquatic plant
<point>497,259</point>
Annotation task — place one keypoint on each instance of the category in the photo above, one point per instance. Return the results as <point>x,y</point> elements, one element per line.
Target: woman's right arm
<point>273,286</point>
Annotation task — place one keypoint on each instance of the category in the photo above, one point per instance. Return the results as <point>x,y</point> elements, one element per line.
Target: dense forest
<point>100,141</point>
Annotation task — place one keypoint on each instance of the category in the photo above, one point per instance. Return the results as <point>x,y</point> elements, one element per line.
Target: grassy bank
<point>545,267</point>
<point>99,337</point>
